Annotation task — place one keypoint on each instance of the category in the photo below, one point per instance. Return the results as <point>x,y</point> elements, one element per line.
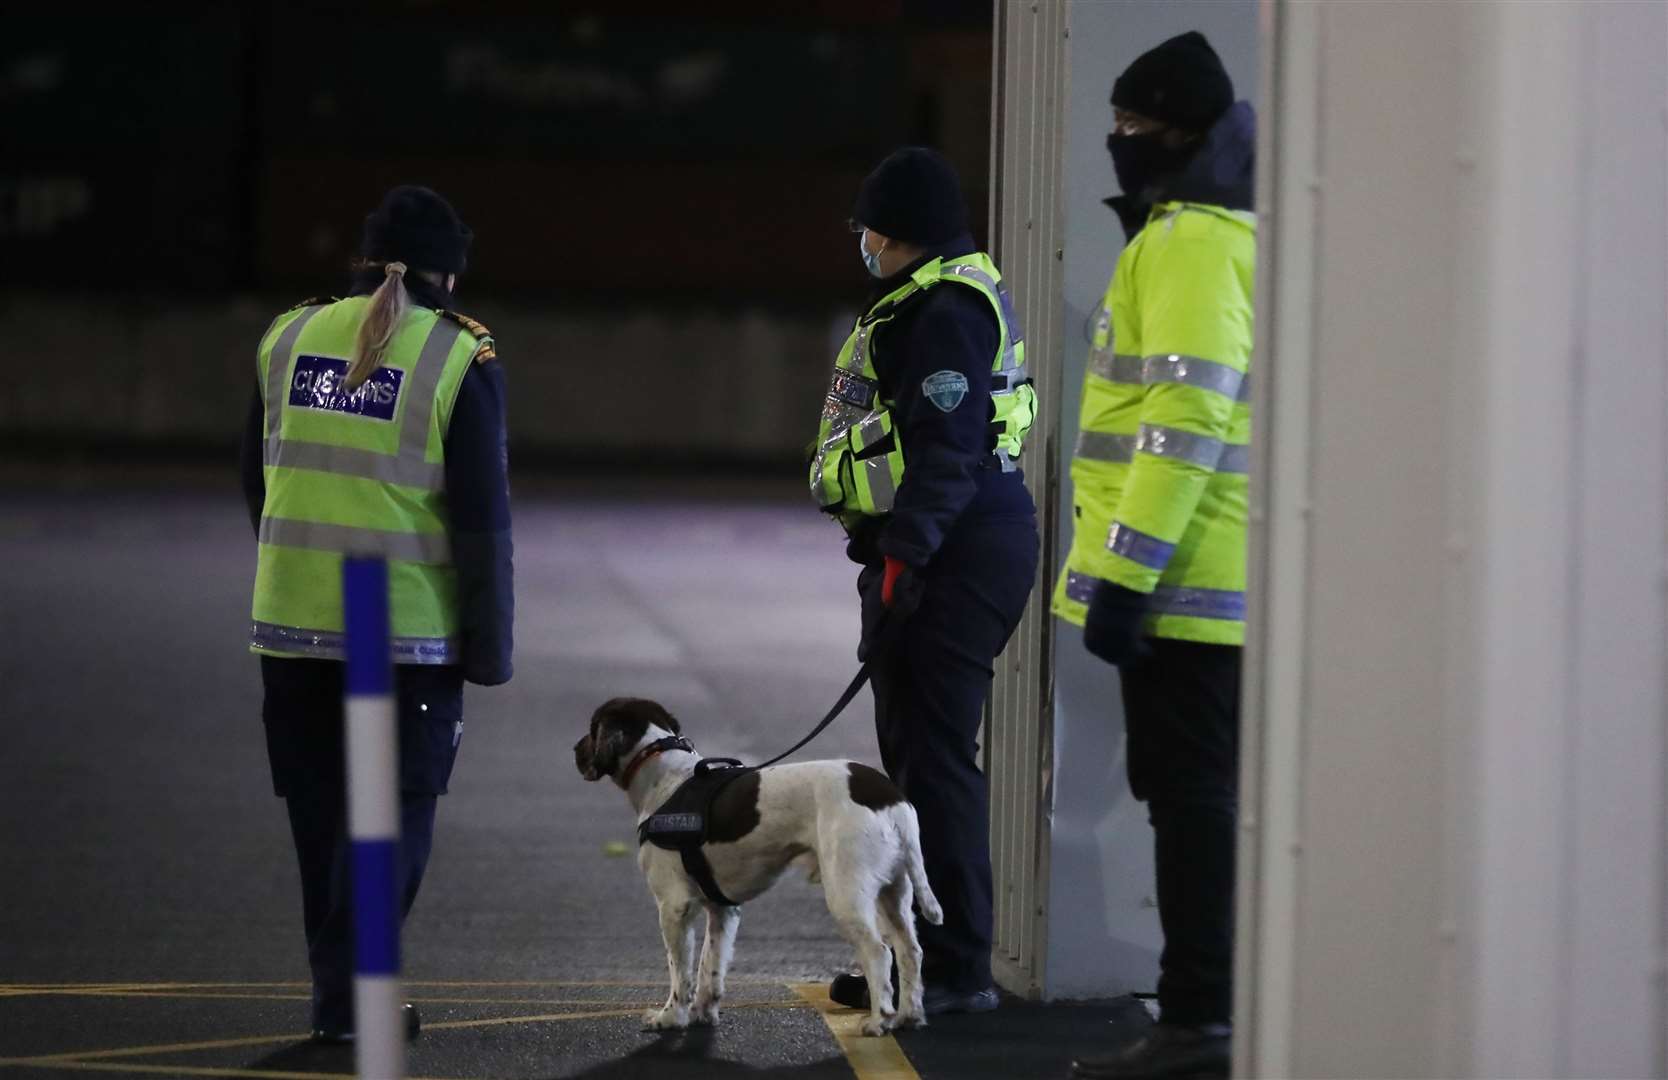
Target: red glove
<point>894,570</point>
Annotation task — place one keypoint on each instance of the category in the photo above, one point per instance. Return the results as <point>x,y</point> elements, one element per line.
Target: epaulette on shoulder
<point>484,351</point>
<point>316,301</point>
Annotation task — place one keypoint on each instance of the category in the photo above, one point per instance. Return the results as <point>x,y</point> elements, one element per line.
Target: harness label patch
<point>945,389</point>
<point>317,384</point>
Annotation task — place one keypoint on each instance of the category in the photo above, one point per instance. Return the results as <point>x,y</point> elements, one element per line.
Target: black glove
<point>1113,629</point>
<point>907,589</point>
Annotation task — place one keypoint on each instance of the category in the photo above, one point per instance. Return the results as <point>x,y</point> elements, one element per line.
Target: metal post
<point>373,820</point>
<point>1027,234</point>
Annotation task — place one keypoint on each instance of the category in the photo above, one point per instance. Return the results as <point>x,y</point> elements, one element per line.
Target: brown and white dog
<point>844,822</point>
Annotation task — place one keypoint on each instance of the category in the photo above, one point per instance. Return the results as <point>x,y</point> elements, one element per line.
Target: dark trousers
<point>930,693</point>
<point>302,713</point>
<point>1181,708</point>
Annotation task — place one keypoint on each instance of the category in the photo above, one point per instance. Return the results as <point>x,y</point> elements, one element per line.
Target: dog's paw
<point>667,1019</point>
<point>905,1021</point>
<point>704,1014</point>
<point>877,1025</point>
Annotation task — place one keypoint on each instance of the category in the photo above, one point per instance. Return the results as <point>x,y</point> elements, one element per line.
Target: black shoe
<point>339,1036</point>
<point>938,1000</point>
<point>852,991</point>
<point>1165,1050</point>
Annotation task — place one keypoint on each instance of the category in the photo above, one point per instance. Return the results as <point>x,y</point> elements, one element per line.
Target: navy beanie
<point>1181,82</point>
<point>913,196</point>
<point>419,228</point>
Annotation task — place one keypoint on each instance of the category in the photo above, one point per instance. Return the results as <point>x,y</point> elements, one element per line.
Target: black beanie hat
<point>913,196</point>
<point>1181,82</point>
<point>419,228</point>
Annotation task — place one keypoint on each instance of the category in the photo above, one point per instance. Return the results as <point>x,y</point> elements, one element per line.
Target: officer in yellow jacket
<point>1156,572</point>
<point>377,426</point>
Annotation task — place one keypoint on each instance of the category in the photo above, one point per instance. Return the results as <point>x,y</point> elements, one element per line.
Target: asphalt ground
<point>149,902</point>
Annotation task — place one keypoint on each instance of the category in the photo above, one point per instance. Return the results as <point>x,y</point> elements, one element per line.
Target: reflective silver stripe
<point>421,386</point>
<point>1198,603</point>
<point>1191,371</point>
<point>881,488</point>
<point>1179,445</point>
<point>1128,370</point>
<point>973,273</point>
<point>870,430</point>
<point>1235,459</point>
<point>1080,587</point>
<point>1164,442</point>
<point>968,271</point>
<point>858,361</point>
<point>1116,367</point>
<point>278,370</point>
<point>1169,599</point>
<point>331,644</point>
<point>349,461</point>
<point>351,540</point>
<point>1139,547</point>
<point>1100,446</point>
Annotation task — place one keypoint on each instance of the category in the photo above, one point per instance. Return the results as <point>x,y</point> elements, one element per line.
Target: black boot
<point>337,1036</point>
<point>852,991</point>
<point>1190,1050</point>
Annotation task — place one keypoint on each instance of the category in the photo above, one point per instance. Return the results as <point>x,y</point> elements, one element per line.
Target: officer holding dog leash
<point>927,410</point>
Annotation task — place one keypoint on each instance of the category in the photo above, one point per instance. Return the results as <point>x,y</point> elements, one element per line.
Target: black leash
<point>890,631</point>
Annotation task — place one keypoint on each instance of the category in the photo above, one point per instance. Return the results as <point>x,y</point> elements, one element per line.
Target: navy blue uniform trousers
<point>1181,714</point>
<point>930,692</point>
<point>302,712</point>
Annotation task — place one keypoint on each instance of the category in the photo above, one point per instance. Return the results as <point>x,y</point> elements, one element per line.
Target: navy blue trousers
<point>302,713</point>
<point>930,693</point>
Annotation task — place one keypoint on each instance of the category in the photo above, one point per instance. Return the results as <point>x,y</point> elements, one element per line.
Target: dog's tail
<point>910,827</point>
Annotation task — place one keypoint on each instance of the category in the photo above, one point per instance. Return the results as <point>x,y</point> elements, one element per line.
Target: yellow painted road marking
<point>89,1057</point>
<point>443,984</point>
<point>870,1058</point>
<point>420,999</point>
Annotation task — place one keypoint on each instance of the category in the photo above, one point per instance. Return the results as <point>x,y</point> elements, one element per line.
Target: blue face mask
<point>870,261</point>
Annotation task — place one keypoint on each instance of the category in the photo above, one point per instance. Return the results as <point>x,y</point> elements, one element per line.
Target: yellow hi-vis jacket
<point>358,473</point>
<point>1160,467</point>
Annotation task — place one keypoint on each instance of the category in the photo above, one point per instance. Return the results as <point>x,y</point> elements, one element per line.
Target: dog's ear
<point>617,726</point>
<point>607,747</point>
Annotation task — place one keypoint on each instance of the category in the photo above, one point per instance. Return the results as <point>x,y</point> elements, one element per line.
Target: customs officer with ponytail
<point>377,426</point>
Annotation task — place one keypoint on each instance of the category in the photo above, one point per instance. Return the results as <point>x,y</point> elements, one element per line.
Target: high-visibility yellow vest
<point>859,458</point>
<point>1159,471</point>
<point>359,473</point>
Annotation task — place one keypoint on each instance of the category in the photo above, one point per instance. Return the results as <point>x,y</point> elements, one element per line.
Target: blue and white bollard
<point>373,820</point>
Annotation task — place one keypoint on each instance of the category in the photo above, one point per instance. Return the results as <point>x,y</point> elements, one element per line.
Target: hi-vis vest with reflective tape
<point>1160,467</point>
<point>859,460</point>
<point>359,473</point>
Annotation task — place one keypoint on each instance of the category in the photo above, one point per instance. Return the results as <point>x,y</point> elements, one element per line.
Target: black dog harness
<point>680,824</point>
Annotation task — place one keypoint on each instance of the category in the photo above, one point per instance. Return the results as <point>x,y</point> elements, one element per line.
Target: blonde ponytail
<point>388,306</point>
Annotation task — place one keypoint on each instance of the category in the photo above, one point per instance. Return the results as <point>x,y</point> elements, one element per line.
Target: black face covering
<point>1142,162</point>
